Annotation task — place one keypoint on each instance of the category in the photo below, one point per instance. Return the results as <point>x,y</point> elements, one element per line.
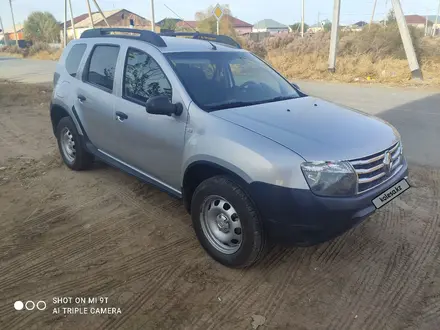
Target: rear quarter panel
<point>63,93</point>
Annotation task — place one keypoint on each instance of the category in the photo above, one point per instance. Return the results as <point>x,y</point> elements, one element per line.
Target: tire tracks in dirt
<point>47,218</point>
<point>164,276</point>
<point>154,212</point>
<point>285,280</point>
<point>58,248</point>
<point>31,270</point>
<point>25,322</point>
<point>159,258</point>
<point>399,290</point>
<point>247,286</point>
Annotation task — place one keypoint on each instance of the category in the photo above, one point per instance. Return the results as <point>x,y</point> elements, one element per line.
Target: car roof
<point>170,44</point>
<point>178,44</point>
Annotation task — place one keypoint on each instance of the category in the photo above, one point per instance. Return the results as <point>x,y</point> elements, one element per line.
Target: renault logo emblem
<point>387,162</point>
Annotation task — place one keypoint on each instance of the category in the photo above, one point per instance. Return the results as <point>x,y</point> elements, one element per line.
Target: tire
<point>74,155</point>
<point>211,221</point>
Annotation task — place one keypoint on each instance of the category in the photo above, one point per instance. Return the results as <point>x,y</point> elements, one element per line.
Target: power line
<point>180,17</point>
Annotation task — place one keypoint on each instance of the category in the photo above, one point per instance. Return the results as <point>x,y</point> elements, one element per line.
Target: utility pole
<point>407,42</point>
<point>386,18</point>
<point>90,13</point>
<point>13,23</point>
<point>302,20</point>
<point>153,24</point>
<point>102,14</point>
<point>72,19</point>
<point>334,36</point>
<point>434,27</point>
<point>372,15</point>
<point>65,24</point>
<point>3,31</point>
<point>426,25</point>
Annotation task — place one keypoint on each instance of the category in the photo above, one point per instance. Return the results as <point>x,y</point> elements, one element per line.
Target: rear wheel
<point>227,223</point>
<point>70,145</point>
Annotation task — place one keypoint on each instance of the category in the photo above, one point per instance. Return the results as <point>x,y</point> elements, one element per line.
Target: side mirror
<point>161,105</point>
<point>295,86</point>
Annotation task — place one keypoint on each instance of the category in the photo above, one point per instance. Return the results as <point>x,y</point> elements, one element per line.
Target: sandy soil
<point>102,233</point>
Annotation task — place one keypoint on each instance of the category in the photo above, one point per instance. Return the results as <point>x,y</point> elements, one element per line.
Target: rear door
<point>94,99</point>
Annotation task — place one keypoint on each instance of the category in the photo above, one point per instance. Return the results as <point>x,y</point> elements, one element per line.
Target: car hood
<point>315,129</point>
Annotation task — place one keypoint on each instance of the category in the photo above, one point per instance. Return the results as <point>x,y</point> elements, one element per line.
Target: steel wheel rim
<point>221,225</point>
<point>68,145</point>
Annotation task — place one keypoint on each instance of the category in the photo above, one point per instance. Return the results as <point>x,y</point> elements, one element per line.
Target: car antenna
<point>213,46</point>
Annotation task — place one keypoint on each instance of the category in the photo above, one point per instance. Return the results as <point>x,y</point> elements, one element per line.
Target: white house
<point>269,25</point>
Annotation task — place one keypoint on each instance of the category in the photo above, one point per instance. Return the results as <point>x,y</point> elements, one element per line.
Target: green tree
<point>391,17</point>
<point>169,24</point>
<point>41,27</point>
<point>297,27</point>
<point>184,28</point>
<point>207,23</point>
<point>327,27</point>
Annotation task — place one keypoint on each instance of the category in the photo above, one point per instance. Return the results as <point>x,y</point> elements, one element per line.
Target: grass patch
<point>371,55</point>
<point>18,94</point>
<point>363,68</point>
<point>40,51</point>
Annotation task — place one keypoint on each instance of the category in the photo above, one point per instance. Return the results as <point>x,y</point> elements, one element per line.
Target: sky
<point>283,11</point>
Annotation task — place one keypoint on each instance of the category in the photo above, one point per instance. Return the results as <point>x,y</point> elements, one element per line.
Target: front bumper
<point>299,217</point>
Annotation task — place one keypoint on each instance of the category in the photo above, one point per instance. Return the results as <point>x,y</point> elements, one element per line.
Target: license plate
<point>390,194</point>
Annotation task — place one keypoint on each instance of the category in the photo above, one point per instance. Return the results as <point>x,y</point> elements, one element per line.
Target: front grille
<point>371,170</point>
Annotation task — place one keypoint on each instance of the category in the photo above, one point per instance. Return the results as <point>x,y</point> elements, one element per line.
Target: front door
<point>152,144</point>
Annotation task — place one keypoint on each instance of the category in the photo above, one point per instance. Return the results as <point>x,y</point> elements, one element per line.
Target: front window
<point>143,78</point>
<point>221,80</point>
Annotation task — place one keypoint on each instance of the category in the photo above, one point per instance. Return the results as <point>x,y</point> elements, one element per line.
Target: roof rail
<point>142,35</point>
<point>222,39</point>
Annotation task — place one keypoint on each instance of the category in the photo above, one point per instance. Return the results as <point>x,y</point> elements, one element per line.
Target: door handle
<point>120,116</point>
<point>81,98</point>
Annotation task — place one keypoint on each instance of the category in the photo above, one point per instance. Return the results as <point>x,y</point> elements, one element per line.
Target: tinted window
<point>221,80</point>
<point>74,58</point>
<point>102,66</point>
<point>143,78</point>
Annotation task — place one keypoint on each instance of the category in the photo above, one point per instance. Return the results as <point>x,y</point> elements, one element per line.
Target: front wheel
<point>227,223</point>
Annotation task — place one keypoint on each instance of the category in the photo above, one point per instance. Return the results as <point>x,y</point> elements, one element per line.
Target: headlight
<point>330,178</point>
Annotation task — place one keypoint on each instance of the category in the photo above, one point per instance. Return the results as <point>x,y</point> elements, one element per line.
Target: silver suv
<point>253,158</point>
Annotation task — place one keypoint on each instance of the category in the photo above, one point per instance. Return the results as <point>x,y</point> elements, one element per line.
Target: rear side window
<point>102,66</point>
<point>74,58</point>
<point>143,78</point>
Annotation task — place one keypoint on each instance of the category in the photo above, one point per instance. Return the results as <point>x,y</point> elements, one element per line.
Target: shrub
<point>378,42</point>
<point>375,54</point>
<point>255,47</point>
<point>14,50</point>
<point>39,47</point>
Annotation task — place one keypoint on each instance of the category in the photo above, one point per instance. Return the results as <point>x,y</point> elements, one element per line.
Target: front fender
<point>250,156</point>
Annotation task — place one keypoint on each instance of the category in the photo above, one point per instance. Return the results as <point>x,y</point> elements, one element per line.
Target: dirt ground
<point>102,233</point>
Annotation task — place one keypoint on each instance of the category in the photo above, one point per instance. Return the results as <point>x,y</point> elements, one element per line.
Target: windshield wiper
<point>281,98</point>
<point>232,105</point>
<point>237,104</point>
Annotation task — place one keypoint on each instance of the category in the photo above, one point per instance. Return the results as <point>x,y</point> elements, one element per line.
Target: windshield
<point>221,80</point>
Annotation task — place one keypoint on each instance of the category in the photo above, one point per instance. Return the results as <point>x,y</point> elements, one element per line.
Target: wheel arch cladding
<point>57,113</point>
<point>199,171</point>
